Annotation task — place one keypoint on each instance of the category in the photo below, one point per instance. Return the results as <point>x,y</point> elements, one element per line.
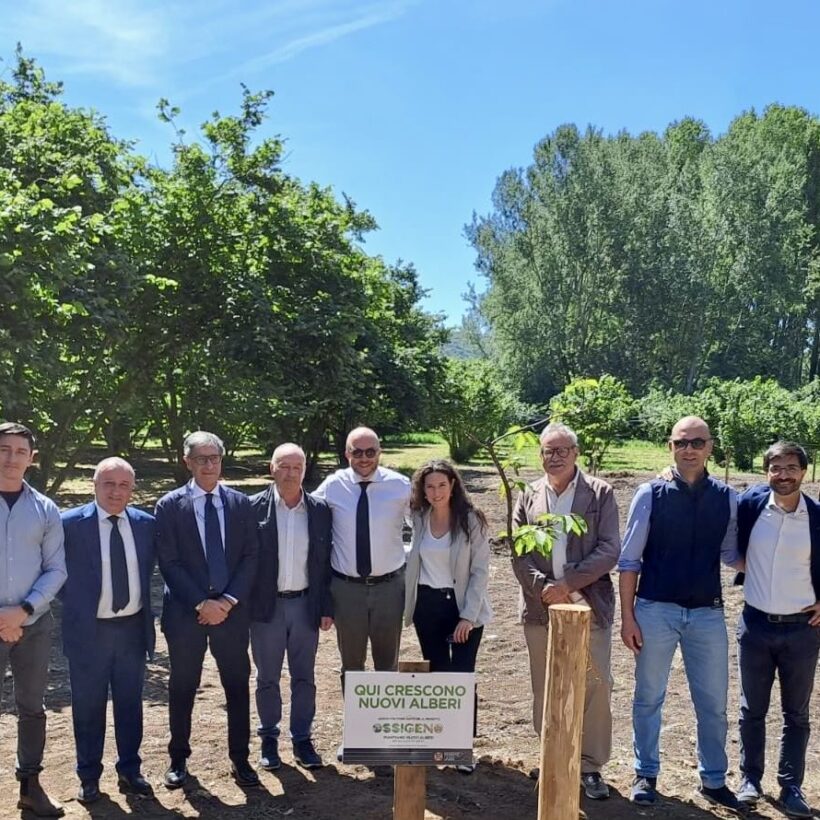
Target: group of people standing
<point>271,571</point>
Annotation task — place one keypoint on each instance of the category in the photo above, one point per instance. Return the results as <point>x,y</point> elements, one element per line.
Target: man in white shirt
<point>290,603</point>
<point>577,570</point>
<point>369,506</point>
<point>779,535</point>
<point>108,626</point>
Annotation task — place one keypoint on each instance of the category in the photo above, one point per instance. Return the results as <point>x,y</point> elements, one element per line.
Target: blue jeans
<point>704,645</point>
<point>790,649</point>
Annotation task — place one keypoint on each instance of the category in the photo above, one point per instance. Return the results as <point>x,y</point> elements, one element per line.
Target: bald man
<point>369,506</point>
<point>677,533</point>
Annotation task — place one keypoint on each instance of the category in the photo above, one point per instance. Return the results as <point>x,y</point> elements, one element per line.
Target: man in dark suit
<point>207,549</point>
<point>778,533</point>
<point>108,626</point>
<point>291,602</point>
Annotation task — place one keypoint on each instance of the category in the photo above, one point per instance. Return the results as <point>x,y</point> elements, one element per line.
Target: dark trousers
<point>28,659</point>
<point>368,612</point>
<point>790,650</point>
<point>290,632</point>
<point>435,618</point>
<point>228,643</point>
<point>115,661</point>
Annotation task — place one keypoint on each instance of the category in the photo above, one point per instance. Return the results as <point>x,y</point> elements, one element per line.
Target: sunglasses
<point>370,452</point>
<point>201,461</point>
<point>561,452</point>
<point>694,443</point>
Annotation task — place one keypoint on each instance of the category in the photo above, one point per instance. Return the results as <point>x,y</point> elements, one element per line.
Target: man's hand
<point>815,609</point>
<point>555,592</point>
<point>12,617</point>
<point>325,623</point>
<point>462,631</point>
<point>11,634</point>
<point>631,635</point>
<point>213,612</point>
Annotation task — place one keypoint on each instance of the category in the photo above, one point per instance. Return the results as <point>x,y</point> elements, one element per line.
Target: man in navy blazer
<point>108,625</point>
<point>779,629</point>
<point>291,603</point>
<point>207,550</point>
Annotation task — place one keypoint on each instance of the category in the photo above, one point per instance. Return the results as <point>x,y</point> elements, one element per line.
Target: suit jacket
<point>182,558</point>
<point>590,556</point>
<point>81,593</point>
<point>263,597</point>
<point>749,506</point>
<point>469,565</point>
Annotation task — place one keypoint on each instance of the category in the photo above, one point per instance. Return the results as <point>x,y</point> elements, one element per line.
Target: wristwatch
<point>27,607</point>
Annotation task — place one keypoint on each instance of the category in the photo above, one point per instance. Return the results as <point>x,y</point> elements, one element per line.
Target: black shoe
<point>724,796</point>
<point>305,755</point>
<point>176,775</point>
<point>244,774</point>
<point>269,758</point>
<point>793,803</point>
<point>89,791</point>
<point>135,784</point>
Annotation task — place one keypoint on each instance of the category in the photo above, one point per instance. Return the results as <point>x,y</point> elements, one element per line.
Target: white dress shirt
<point>104,607</point>
<point>778,576</point>
<point>561,505</point>
<point>198,499</point>
<point>389,505</point>
<point>292,530</point>
<point>434,555</point>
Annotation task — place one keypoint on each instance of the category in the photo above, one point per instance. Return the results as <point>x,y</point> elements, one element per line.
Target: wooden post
<point>410,782</point>
<point>564,689</point>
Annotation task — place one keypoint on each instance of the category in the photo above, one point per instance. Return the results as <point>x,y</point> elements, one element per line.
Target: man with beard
<point>779,535</point>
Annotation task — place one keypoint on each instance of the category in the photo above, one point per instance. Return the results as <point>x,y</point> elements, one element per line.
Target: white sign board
<point>409,717</point>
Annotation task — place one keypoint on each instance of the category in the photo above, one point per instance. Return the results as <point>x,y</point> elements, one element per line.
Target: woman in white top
<point>447,569</point>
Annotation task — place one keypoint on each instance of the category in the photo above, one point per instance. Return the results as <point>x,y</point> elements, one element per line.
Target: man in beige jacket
<point>576,571</point>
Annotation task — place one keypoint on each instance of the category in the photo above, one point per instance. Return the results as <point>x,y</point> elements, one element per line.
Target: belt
<point>299,593</point>
<point>445,591</point>
<point>370,580</point>
<point>793,618</point>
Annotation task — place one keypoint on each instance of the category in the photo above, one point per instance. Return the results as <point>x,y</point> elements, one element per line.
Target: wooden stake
<point>564,689</point>
<point>410,782</point>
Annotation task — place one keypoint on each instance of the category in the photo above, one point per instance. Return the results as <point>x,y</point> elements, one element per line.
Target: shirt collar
<point>197,492</point>
<point>801,510</point>
<point>103,515</point>
<point>571,486</point>
<point>277,499</point>
<point>376,475</point>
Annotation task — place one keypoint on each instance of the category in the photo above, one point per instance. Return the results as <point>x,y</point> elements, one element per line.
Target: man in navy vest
<point>677,532</point>
<point>108,626</point>
<point>779,535</point>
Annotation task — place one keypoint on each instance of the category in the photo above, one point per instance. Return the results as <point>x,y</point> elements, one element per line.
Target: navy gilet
<point>681,560</point>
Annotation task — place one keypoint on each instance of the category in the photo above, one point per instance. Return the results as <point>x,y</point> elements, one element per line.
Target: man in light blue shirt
<point>32,570</point>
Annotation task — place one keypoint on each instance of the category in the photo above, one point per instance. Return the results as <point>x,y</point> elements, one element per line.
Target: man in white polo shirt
<point>779,535</point>
<point>369,505</point>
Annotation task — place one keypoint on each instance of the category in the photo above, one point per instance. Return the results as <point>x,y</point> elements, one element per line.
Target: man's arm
<point>529,575</point>
<point>54,573</point>
<point>605,554</point>
<point>241,582</point>
<point>629,564</point>
<point>171,565</point>
<point>729,552</point>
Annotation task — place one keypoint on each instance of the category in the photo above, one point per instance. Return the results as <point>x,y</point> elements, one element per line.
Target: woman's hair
<point>461,505</point>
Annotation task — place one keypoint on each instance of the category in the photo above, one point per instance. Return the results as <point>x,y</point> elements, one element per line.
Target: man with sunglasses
<point>207,551</point>
<point>577,570</point>
<point>677,533</point>
<point>779,536</point>
<point>369,505</point>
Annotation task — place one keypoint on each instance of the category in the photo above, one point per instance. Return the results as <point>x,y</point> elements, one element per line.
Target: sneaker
<point>643,790</point>
<point>269,758</point>
<point>793,803</point>
<point>594,786</point>
<point>749,792</point>
<point>305,755</point>
<point>465,768</point>
<point>725,797</point>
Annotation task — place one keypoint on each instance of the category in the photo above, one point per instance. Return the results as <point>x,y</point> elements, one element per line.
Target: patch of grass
<point>408,458</point>
<point>638,456</point>
<point>400,439</point>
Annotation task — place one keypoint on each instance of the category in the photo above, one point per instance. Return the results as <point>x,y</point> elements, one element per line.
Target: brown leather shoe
<point>34,798</point>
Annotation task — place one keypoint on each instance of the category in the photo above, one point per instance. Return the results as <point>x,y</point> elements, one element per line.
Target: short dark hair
<point>785,448</point>
<point>13,428</point>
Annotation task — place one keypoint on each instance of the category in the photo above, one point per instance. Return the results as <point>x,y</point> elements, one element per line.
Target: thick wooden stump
<point>410,782</point>
<point>564,689</point>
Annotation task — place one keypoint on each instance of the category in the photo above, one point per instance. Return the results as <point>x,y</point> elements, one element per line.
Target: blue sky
<point>414,107</point>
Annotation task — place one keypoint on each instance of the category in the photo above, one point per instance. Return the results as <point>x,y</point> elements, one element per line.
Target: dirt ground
<point>506,746</point>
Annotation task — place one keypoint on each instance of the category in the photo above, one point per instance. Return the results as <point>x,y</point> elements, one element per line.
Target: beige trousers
<point>596,743</point>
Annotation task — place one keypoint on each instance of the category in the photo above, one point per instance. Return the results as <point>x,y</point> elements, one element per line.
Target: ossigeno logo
<point>410,727</point>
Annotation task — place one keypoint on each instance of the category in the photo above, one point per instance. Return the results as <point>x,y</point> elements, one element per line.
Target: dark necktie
<point>363,565</point>
<point>120,594</point>
<point>214,551</point>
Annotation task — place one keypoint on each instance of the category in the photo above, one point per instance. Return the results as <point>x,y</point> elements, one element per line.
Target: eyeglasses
<point>561,452</point>
<point>694,443</point>
<point>201,461</point>
<point>370,452</point>
<point>788,469</point>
